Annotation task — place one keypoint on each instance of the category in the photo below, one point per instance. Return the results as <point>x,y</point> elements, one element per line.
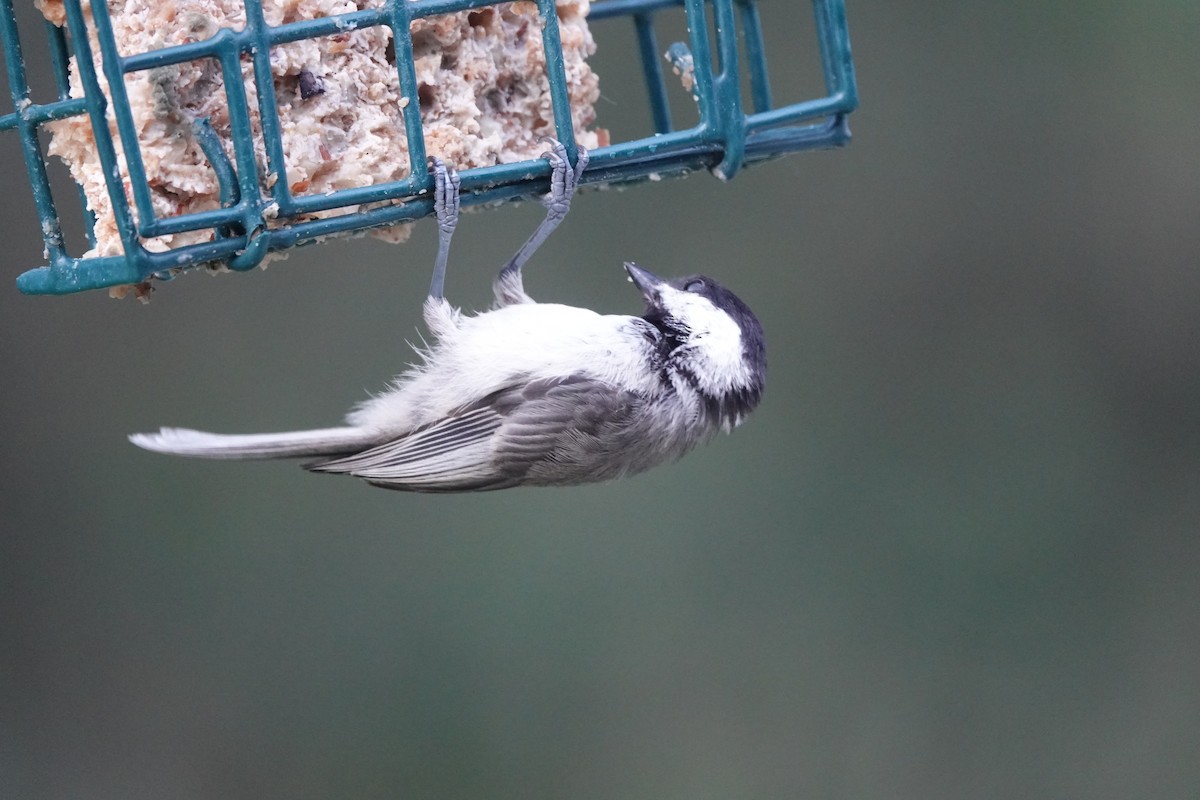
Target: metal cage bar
<point>250,221</point>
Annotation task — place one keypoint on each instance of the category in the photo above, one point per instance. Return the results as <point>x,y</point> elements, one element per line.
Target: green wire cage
<point>739,124</point>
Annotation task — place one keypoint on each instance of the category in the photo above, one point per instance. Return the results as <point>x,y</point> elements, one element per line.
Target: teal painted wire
<point>115,74</point>
<point>214,151</point>
<point>60,63</point>
<point>660,108</point>
<point>756,56</point>
<point>730,120</point>
<point>58,58</point>
<point>725,138</point>
<point>399,13</point>
<point>258,32</point>
<point>39,181</point>
<point>135,254</point>
<point>560,99</point>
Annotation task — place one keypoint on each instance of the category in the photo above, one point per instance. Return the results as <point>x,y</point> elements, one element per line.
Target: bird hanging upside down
<point>534,394</point>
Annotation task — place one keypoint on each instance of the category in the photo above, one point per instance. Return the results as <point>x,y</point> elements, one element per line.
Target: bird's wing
<point>452,454</point>
<point>496,442</point>
<point>573,431</point>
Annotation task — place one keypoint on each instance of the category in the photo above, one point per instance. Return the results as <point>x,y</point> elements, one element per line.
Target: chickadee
<point>534,394</point>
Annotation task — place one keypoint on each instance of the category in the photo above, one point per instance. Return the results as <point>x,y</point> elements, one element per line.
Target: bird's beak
<point>645,280</point>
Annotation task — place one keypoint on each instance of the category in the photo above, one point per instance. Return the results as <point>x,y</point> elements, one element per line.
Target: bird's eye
<point>694,286</point>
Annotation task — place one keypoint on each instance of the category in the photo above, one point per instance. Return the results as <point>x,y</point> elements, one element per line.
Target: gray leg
<point>508,287</point>
<point>445,206</point>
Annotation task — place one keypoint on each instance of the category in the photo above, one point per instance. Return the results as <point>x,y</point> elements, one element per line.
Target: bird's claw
<point>446,184</point>
<point>563,178</point>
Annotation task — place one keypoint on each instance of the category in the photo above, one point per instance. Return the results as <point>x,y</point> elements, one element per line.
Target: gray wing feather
<point>451,453</point>
<point>545,432</point>
<point>574,431</point>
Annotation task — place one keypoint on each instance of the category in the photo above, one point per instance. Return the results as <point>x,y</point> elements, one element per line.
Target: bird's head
<point>711,340</point>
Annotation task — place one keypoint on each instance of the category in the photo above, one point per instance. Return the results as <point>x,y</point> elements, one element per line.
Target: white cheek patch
<point>715,340</point>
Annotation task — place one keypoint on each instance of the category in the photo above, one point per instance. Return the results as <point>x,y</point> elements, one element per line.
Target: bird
<point>529,393</point>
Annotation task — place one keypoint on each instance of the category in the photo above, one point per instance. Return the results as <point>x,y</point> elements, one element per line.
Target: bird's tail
<point>199,444</point>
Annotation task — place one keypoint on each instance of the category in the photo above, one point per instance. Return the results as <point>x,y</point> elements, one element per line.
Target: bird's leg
<point>445,206</point>
<point>508,286</point>
<point>439,315</point>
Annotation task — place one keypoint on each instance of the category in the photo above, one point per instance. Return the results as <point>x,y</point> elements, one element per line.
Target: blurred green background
<point>954,554</point>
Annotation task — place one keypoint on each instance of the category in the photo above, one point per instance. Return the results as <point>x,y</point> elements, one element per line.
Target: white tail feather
<point>199,444</point>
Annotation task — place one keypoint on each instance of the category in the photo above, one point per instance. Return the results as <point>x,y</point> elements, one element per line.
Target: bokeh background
<point>954,554</point>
